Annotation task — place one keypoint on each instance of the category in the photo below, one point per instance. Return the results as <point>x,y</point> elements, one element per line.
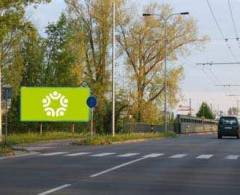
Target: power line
<point>215,19</point>
<point>209,77</point>
<point>228,85</point>
<point>233,21</point>
<point>220,30</point>
<point>216,63</point>
<point>233,95</point>
<point>212,77</point>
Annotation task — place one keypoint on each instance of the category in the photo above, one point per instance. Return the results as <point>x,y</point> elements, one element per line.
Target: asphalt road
<point>197,164</point>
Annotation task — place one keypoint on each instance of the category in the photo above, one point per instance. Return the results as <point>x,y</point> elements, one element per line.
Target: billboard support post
<point>6,121</point>
<point>41,128</point>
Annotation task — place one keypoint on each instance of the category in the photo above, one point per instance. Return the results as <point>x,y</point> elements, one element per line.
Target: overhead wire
<point>221,31</point>
<point>232,18</point>
<point>233,22</point>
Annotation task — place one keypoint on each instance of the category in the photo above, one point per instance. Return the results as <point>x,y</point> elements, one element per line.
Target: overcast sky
<point>199,83</point>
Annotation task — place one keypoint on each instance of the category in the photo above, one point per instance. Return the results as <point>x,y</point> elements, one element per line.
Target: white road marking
<point>103,154</point>
<point>53,153</point>
<point>205,156</point>
<point>153,155</point>
<point>128,154</point>
<point>232,157</point>
<point>55,189</point>
<point>78,154</point>
<point>178,156</point>
<point>125,164</point>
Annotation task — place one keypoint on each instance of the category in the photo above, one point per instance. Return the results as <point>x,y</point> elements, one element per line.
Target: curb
<point>135,141</point>
<point>18,155</point>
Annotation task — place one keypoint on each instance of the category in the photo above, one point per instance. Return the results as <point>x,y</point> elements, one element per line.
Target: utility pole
<point>190,106</point>
<point>0,104</point>
<point>237,107</point>
<point>113,65</point>
<point>166,19</point>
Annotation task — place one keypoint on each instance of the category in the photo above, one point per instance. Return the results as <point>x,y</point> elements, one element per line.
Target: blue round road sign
<point>92,102</point>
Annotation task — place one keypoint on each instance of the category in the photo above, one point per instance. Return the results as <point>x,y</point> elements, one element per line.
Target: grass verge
<point>79,139</point>
<point>6,150</point>
<point>26,138</point>
<point>108,139</point>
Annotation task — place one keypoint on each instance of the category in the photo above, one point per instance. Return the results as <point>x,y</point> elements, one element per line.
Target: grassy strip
<point>81,139</point>
<point>108,139</point>
<point>6,150</point>
<point>36,137</point>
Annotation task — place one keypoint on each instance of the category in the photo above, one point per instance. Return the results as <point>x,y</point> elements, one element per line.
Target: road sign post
<point>92,102</point>
<point>92,115</point>
<point>7,93</point>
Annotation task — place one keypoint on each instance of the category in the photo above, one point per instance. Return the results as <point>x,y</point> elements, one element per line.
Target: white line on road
<point>128,154</point>
<point>103,154</point>
<point>78,154</point>
<point>53,153</point>
<point>125,164</point>
<point>55,189</point>
<point>178,156</point>
<point>232,157</point>
<point>154,155</point>
<point>205,156</point>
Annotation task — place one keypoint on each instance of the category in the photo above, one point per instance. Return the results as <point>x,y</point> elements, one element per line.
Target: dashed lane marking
<point>153,155</point>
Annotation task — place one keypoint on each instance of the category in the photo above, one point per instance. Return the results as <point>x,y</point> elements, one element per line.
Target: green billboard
<point>54,104</point>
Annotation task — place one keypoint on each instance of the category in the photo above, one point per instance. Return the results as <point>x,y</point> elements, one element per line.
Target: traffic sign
<point>92,102</point>
<point>7,93</point>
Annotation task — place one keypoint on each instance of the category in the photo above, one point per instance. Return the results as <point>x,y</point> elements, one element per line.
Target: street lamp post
<point>113,66</point>
<point>165,60</point>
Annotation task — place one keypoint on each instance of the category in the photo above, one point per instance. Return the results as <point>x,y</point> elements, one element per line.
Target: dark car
<point>228,126</point>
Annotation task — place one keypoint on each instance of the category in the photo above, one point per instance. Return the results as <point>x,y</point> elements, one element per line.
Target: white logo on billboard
<point>55,112</point>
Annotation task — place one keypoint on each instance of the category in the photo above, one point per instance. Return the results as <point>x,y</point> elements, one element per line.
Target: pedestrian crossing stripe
<point>128,154</point>
<point>232,157</point>
<point>178,156</point>
<point>205,156</point>
<point>103,154</point>
<point>53,153</point>
<point>131,155</point>
<point>78,154</point>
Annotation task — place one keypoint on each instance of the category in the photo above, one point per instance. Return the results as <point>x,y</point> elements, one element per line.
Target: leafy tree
<point>142,42</point>
<point>12,23</point>
<point>205,112</point>
<point>13,33</point>
<point>92,21</point>
<point>25,71</point>
<point>60,60</point>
